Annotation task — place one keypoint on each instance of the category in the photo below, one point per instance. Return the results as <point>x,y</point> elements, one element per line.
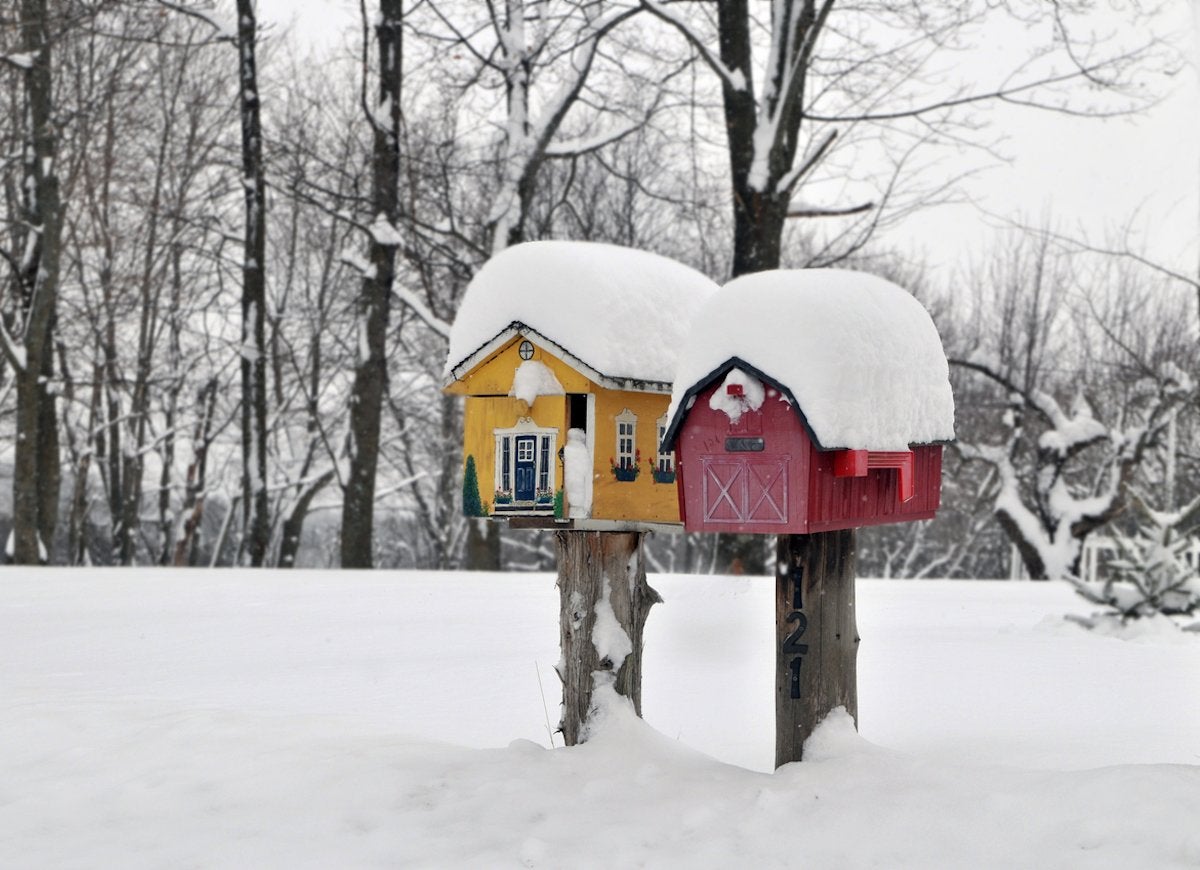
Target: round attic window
<point>525,350</point>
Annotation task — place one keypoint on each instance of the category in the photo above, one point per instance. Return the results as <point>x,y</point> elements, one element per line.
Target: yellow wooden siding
<point>642,498</point>
<point>494,376</point>
<point>488,407</point>
<point>484,415</point>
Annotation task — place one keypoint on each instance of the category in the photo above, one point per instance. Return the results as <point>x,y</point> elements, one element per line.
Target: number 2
<point>791,646</point>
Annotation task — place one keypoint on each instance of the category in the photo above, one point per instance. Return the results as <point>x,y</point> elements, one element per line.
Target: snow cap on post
<point>621,312</point>
<point>858,356</point>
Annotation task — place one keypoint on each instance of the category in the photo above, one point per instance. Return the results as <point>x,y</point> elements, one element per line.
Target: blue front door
<point>526,468</point>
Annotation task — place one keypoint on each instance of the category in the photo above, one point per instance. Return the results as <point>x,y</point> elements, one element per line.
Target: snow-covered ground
<point>343,720</point>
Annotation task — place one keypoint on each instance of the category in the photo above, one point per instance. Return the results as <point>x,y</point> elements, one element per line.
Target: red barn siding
<point>851,502</point>
<point>754,491</point>
<point>788,486</point>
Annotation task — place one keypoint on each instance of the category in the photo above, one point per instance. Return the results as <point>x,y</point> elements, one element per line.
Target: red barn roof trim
<point>735,362</point>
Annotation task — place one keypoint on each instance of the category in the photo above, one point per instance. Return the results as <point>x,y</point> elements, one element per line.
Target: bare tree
<point>195,496</point>
<point>374,303</point>
<point>256,517</point>
<point>543,47</point>
<point>33,260</point>
<point>143,256</point>
<point>833,75</point>
<point>1071,435</point>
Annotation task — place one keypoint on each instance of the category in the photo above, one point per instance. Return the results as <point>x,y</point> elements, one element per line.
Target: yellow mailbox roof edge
<point>518,329</point>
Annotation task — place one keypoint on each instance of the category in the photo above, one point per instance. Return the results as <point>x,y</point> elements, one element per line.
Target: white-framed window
<point>525,450</point>
<point>504,465</point>
<point>664,462</point>
<point>545,464</point>
<point>626,439</point>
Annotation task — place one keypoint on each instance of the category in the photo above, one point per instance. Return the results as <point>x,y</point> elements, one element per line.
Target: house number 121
<point>791,644</point>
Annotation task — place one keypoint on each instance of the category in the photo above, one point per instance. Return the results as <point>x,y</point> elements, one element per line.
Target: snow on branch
<point>1043,403</point>
<point>527,140</point>
<point>1181,519</point>
<point>1041,502</point>
<point>1069,433</point>
<point>793,177</point>
<point>384,233</point>
<point>581,146</point>
<point>401,485</point>
<point>730,78</point>
<point>1152,576</point>
<point>413,302</point>
<point>355,261</point>
<point>13,352</point>
<point>1176,380</point>
<point>22,60</point>
<point>581,60</point>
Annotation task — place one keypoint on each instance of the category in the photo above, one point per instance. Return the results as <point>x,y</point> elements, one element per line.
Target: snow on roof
<point>859,355</point>
<point>622,312</point>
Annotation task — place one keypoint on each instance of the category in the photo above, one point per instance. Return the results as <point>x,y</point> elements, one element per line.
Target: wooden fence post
<point>601,577</point>
<point>816,637</point>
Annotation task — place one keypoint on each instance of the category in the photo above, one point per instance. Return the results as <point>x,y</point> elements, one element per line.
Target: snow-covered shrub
<point>1150,577</point>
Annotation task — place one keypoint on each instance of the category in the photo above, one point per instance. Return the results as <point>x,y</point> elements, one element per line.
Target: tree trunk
<point>293,526</point>
<point>1035,567</point>
<point>741,554</point>
<point>166,520</point>
<point>36,473</point>
<point>108,436</point>
<point>193,499</point>
<point>133,457</point>
<point>758,221</point>
<point>167,525</point>
<point>49,449</point>
<point>133,464</point>
<point>604,601</point>
<point>816,648</point>
<point>374,302</point>
<point>77,543</point>
<point>482,552</point>
<point>80,461</point>
<point>256,518</point>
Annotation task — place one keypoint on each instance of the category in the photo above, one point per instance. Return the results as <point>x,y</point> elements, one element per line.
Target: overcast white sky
<point>1092,177</point>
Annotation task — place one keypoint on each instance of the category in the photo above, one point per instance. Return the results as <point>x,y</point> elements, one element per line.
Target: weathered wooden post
<point>816,649</point>
<point>604,600</point>
<point>808,404</point>
<point>564,352</point>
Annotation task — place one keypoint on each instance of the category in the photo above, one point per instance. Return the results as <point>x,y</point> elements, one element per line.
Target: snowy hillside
<point>238,719</point>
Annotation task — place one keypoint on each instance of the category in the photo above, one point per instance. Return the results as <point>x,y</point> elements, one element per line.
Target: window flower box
<point>627,473</point>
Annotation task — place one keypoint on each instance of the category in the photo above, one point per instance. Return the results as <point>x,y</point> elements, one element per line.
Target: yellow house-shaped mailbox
<point>565,353</point>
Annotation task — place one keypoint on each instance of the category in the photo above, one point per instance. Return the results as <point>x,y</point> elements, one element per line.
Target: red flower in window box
<point>628,472</point>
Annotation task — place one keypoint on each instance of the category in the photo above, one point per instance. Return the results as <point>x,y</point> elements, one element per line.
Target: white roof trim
<point>518,329</point>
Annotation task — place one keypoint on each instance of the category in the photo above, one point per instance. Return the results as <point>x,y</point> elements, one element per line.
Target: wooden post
<point>816,638</point>
<point>601,576</point>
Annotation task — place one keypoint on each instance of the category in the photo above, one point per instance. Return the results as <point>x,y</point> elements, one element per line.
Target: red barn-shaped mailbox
<point>809,401</point>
